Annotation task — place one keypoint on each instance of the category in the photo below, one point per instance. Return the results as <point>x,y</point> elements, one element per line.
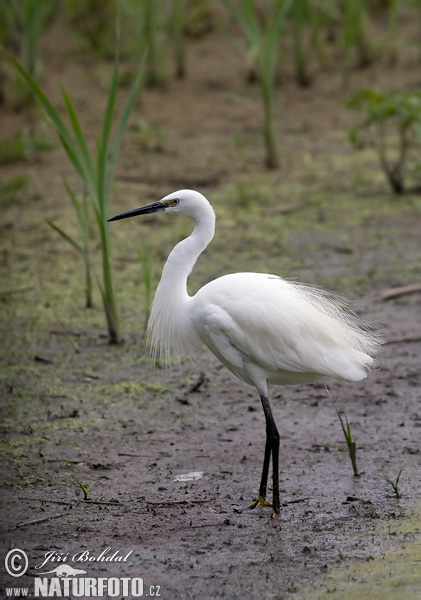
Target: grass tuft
<point>263,36</point>
<point>351,445</point>
<point>394,484</point>
<point>86,489</point>
<point>97,174</point>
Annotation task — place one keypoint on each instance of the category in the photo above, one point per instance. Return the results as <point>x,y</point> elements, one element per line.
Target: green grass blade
<point>342,423</point>
<point>73,157</point>
<point>99,190</point>
<point>246,16</point>
<point>394,484</point>
<point>348,430</point>
<point>109,298</point>
<point>76,205</point>
<point>88,169</point>
<point>51,111</point>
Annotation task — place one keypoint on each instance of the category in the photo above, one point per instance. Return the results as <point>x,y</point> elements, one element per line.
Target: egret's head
<point>183,202</point>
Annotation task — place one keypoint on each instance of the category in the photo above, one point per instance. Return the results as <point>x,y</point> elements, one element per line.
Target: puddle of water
<point>191,476</point>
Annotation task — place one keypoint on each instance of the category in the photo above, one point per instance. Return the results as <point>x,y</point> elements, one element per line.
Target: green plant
<point>417,4</point>
<point>25,22</point>
<point>392,34</point>
<point>324,19</point>
<point>301,14</point>
<point>86,489</point>
<point>394,484</point>
<point>395,112</point>
<point>152,34</point>
<point>178,22</point>
<point>352,448</point>
<point>147,17</point>
<point>351,445</point>
<point>92,20</point>
<point>354,37</point>
<point>97,175</point>
<point>263,34</point>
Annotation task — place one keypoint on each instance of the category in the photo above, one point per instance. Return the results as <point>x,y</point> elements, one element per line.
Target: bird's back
<point>289,332</point>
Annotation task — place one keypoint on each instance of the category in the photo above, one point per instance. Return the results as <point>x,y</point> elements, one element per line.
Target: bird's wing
<point>277,325</point>
<point>237,340</point>
<point>220,335</point>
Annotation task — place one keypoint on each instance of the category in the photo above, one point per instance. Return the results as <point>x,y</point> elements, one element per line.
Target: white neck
<point>169,321</point>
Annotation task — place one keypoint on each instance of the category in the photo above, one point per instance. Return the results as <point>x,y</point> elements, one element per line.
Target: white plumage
<point>290,333</point>
<point>262,328</point>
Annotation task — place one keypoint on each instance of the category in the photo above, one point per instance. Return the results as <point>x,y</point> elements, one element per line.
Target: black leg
<point>272,447</point>
<point>265,470</point>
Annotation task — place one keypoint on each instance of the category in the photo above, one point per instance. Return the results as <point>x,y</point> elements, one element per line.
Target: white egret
<point>266,330</point>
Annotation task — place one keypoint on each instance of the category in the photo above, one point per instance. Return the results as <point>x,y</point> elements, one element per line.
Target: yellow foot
<point>261,502</point>
<point>274,515</point>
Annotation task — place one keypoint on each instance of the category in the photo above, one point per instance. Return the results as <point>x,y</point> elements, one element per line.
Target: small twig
<point>71,462</point>
<point>136,455</point>
<point>295,501</point>
<point>175,502</point>
<point>399,291</point>
<point>101,502</point>
<point>41,520</point>
<point>51,501</point>
<point>75,501</point>
<point>204,525</point>
<point>66,333</point>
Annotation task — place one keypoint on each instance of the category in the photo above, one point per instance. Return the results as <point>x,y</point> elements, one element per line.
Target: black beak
<point>144,210</point>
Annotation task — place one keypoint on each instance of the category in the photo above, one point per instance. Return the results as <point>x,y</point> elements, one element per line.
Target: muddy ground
<point>79,412</point>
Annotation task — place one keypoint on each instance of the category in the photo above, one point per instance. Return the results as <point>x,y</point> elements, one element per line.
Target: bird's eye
<point>173,202</point>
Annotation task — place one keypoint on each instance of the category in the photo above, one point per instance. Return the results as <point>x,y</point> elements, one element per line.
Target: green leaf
<point>86,163</point>
<point>48,107</point>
